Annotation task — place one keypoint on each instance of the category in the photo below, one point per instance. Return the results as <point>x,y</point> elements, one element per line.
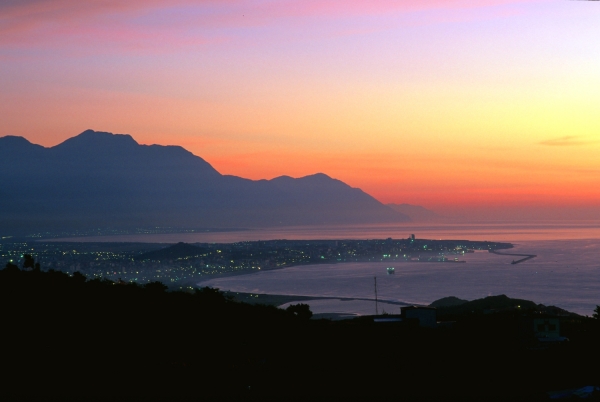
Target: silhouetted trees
<point>10,267</point>
<point>156,286</point>
<point>78,277</point>
<point>142,342</point>
<point>210,295</point>
<point>300,310</point>
<point>28,261</point>
<point>596,314</point>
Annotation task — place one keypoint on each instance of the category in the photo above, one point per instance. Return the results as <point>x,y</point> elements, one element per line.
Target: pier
<point>514,262</point>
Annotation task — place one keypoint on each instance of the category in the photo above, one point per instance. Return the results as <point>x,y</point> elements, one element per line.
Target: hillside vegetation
<point>72,337</point>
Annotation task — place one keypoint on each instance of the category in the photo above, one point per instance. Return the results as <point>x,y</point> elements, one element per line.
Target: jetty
<point>525,256</point>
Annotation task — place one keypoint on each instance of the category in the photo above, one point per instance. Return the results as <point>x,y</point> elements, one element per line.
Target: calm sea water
<point>495,231</point>
<point>565,273</point>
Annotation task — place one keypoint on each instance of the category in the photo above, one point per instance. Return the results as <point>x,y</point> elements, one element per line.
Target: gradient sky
<point>449,104</point>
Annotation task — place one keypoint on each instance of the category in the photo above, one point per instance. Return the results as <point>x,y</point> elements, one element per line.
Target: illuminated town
<point>181,265</point>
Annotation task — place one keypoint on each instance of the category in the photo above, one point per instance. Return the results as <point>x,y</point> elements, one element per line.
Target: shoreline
<point>335,314</point>
<point>250,272</point>
<point>299,298</point>
<point>279,299</point>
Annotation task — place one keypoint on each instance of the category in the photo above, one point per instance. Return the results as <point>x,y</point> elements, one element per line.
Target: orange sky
<point>449,105</point>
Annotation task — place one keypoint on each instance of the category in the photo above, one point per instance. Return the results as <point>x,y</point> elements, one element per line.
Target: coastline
<point>312,263</point>
<point>278,300</point>
<point>336,305</point>
<point>250,272</point>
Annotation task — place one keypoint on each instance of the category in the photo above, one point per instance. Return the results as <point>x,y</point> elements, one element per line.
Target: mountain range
<point>99,179</point>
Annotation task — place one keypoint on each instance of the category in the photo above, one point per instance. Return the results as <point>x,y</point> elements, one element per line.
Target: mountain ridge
<point>100,179</point>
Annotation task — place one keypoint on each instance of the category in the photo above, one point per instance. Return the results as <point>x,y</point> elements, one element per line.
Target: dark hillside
<point>96,339</point>
<point>449,301</point>
<point>174,252</point>
<point>449,308</point>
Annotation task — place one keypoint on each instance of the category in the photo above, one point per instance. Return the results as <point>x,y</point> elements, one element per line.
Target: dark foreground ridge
<point>71,337</point>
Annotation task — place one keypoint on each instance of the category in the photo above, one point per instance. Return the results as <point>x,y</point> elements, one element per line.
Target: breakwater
<point>525,256</point>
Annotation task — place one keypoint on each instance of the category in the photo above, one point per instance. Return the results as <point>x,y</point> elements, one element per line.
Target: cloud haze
<point>568,141</point>
<point>41,21</point>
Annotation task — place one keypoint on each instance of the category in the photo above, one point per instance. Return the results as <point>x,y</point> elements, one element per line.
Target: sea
<point>565,272</point>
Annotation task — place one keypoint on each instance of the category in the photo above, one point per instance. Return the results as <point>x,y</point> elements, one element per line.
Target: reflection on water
<point>565,274</point>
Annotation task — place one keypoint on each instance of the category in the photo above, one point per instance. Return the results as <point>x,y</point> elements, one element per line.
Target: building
<point>426,316</point>
<point>545,329</point>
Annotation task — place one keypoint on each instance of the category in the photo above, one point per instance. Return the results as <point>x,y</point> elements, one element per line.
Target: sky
<point>483,107</point>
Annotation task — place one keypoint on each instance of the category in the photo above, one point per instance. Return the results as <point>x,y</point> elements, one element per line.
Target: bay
<point>492,231</point>
<point>565,273</point>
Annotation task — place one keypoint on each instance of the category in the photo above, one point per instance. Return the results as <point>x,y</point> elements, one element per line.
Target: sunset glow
<point>453,105</point>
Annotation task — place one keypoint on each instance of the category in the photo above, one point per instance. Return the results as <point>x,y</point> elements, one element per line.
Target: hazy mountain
<point>174,252</point>
<point>452,306</point>
<point>449,301</point>
<point>414,212</point>
<point>101,179</point>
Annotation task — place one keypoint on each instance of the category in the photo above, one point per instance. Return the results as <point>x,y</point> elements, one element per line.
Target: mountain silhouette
<point>99,179</point>
<point>173,252</point>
